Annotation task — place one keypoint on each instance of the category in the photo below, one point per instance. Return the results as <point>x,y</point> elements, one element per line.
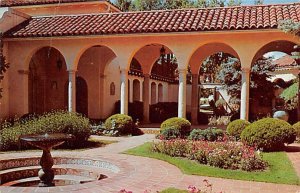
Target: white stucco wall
<point>111,74</point>
<point>173,93</point>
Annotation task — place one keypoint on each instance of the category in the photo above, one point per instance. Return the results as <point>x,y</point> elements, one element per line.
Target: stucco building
<point>78,55</point>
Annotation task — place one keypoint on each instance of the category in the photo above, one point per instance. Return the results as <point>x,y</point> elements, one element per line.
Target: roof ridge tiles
<point>173,10</point>
<point>159,21</point>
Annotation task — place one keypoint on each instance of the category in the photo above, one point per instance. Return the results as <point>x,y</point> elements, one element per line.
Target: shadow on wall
<point>135,109</point>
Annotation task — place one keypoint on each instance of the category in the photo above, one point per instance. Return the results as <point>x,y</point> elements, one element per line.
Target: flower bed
<point>227,155</point>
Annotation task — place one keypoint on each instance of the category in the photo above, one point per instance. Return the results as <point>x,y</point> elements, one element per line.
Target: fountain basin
<point>46,142</point>
<point>22,172</point>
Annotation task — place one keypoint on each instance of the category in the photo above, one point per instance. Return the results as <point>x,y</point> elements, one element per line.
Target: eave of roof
<point>159,21</point>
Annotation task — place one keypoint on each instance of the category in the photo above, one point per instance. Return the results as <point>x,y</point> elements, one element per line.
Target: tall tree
<point>216,3</point>
<point>201,3</point>
<point>258,2</point>
<point>234,2</point>
<point>230,76</point>
<point>123,5</point>
<point>3,64</point>
<point>177,4</point>
<point>144,5</point>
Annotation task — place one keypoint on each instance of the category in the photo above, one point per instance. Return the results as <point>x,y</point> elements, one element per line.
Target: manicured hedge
<point>177,127</point>
<point>269,134</point>
<point>119,124</point>
<point>209,134</point>
<point>236,127</point>
<point>53,122</point>
<point>296,127</point>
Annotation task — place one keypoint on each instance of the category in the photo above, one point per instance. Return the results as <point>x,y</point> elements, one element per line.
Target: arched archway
<point>160,93</point>
<point>47,75</point>
<point>274,58</point>
<point>136,90</point>
<point>204,51</point>
<point>153,93</point>
<point>279,45</point>
<point>94,66</point>
<point>155,63</point>
<point>198,58</point>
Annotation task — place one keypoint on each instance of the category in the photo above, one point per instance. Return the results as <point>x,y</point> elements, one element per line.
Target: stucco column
<point>245,94</point>
<point>195,99</point>
<point>141,91</point>
<point>156,93</point>
<point>146,87</point>
<point>101,95</point>
<point>182,93</point>
<point>124,91</point>
<point>130,90</point>
<point>72,91</point>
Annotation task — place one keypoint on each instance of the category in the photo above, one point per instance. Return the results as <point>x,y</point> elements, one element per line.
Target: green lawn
<point>173,190</point>
<point>280,170</point>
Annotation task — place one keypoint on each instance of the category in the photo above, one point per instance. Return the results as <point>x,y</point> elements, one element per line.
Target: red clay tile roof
<point>285,61</point>
<point>11,3</point>
<point>187,20</point>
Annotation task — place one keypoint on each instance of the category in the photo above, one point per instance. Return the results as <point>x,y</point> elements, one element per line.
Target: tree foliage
<point>290,95</point>
<point>261,88</point>
<point>146,5</point>
<point>289,26</point>
<point>230,76</point>
<point>123,5</point>
<point>258,2</point>
<point>212,64</point>
<point>3,64</point>
<point>177,4</point>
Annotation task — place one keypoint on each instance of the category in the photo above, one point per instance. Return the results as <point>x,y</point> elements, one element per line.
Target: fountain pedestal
<point>46,143</point>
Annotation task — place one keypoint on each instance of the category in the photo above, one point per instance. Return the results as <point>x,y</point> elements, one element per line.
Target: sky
<point>275,55</point>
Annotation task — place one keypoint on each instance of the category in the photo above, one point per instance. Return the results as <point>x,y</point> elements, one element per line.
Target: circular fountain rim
<point>47,137</point>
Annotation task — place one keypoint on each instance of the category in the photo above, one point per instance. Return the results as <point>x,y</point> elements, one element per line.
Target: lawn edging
<point>280,169</point>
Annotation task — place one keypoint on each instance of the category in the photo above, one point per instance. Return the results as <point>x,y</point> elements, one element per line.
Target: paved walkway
<point>139,173</point>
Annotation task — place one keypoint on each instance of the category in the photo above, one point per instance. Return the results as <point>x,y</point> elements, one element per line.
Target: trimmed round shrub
<point>53,122</point>
<point>119,124</point>
<point>236,127</point>
<point>296,127</point>
<point>170,133</point>
<point>209,134</point>
<point>181,125</point>
<point>270,134</point>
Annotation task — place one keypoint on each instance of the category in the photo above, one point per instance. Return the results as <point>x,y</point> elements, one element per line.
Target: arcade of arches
<point>88,56</point>
<point>91,76</point>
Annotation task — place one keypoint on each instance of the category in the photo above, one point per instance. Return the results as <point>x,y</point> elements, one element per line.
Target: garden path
<point>141,173</point>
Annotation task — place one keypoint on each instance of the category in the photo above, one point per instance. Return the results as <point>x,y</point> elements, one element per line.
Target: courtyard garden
<point>246,151</point>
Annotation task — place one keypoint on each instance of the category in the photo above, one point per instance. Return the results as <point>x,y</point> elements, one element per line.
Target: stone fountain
<point>46,142</point>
